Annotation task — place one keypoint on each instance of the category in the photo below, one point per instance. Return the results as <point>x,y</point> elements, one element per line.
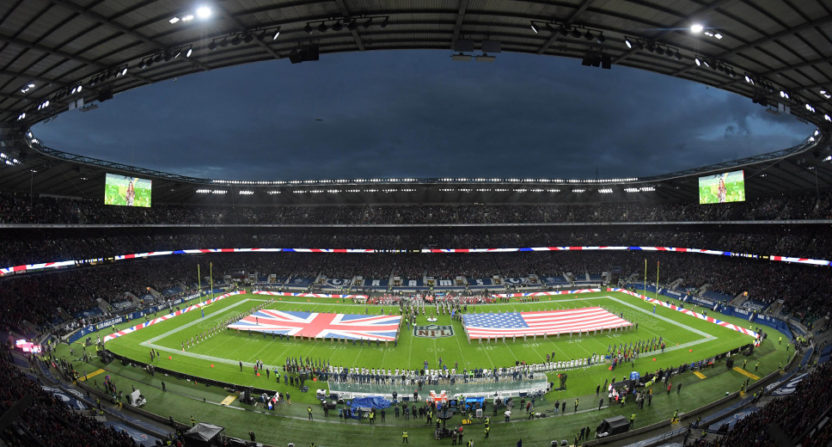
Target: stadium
<point>149,307</point>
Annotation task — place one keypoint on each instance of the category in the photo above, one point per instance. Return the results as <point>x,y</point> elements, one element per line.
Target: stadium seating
<point>47,421</point>
<point>63,295</point>
<point>23,209</point>
<point>793,416</point>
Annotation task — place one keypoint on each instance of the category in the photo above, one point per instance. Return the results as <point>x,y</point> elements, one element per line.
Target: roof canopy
<point>55,52</point>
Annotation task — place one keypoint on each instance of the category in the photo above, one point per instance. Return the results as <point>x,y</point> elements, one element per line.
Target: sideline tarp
<point>203,432</point>
<point>376,402</point>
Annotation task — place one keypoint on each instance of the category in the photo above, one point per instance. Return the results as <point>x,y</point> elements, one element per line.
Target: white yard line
<point>659,317</point>
<point>195,322</point>
<point>151,342</point>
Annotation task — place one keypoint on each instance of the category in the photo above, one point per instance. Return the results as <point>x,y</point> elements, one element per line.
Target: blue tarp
<point>474,402</point>
<point>377,402</point>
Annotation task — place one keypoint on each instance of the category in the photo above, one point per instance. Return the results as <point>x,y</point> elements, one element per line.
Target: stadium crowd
<point>47,420</point>
<point>25,209</point>
<point>48,299</point>
<point>26,246</point>
<point>791,417</point>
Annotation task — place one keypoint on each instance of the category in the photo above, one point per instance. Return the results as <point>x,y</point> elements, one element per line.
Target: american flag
<point>497,325</point>
<point>321,325</point>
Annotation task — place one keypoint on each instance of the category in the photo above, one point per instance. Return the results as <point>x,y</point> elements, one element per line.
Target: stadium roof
<point>754,48</point>
<point>57,55</point>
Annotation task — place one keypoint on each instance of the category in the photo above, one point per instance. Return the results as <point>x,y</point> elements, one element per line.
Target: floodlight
<point>203,12</point>
<point>697,28</point>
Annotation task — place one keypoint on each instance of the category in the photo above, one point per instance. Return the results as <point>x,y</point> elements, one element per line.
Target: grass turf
<point>185,398</point>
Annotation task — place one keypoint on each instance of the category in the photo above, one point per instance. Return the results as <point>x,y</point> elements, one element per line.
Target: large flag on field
<point>321,325</point>
<point>498,325</point>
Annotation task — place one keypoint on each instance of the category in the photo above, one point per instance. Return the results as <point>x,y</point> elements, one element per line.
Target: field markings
<point>659,317</point>
<point>91,375</point>
<point>151,342</point>
<point>195,322</point>
<point>746,373</point>
<point>461,354</point>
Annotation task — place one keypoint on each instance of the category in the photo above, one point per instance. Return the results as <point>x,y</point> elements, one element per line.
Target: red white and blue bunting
<point>177,313</point>
<point>308,295</point>
<point>152,254</point>
<point>688,312</point>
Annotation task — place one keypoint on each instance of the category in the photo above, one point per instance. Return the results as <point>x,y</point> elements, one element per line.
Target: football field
<point>217,357</point>
<point>688,339</point>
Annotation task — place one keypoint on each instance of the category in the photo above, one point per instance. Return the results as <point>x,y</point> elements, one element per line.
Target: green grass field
<point>226,349</point>
<point>688,340</point>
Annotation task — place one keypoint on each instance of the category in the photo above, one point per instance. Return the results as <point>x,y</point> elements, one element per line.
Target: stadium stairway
<point>155,293</point>
<point>738,300</point>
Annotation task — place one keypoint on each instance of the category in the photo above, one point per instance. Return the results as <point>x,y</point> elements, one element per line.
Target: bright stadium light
<point>173,20</point>
<point>190,52</point>
<point>826,117</point>
<point>188,18</point>
<point>203,12</point>
<point>628,43</point>
<point>698,62</point>
<point>534,28</point>
<point>697,28</point>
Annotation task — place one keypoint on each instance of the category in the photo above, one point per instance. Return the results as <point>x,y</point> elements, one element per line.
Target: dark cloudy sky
<point>419,114</point>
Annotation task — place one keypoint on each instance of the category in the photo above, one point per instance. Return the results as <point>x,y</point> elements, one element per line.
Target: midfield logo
<point>433,331</point>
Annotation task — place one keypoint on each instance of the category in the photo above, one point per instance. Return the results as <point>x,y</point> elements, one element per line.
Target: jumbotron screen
<point>127,191</point>
<point>722,188</point>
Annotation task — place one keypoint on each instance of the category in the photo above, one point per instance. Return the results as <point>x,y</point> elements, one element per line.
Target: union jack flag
<point>321,325</point>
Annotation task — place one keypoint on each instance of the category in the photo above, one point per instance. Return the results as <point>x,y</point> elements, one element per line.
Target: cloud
<point>416,113</point>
